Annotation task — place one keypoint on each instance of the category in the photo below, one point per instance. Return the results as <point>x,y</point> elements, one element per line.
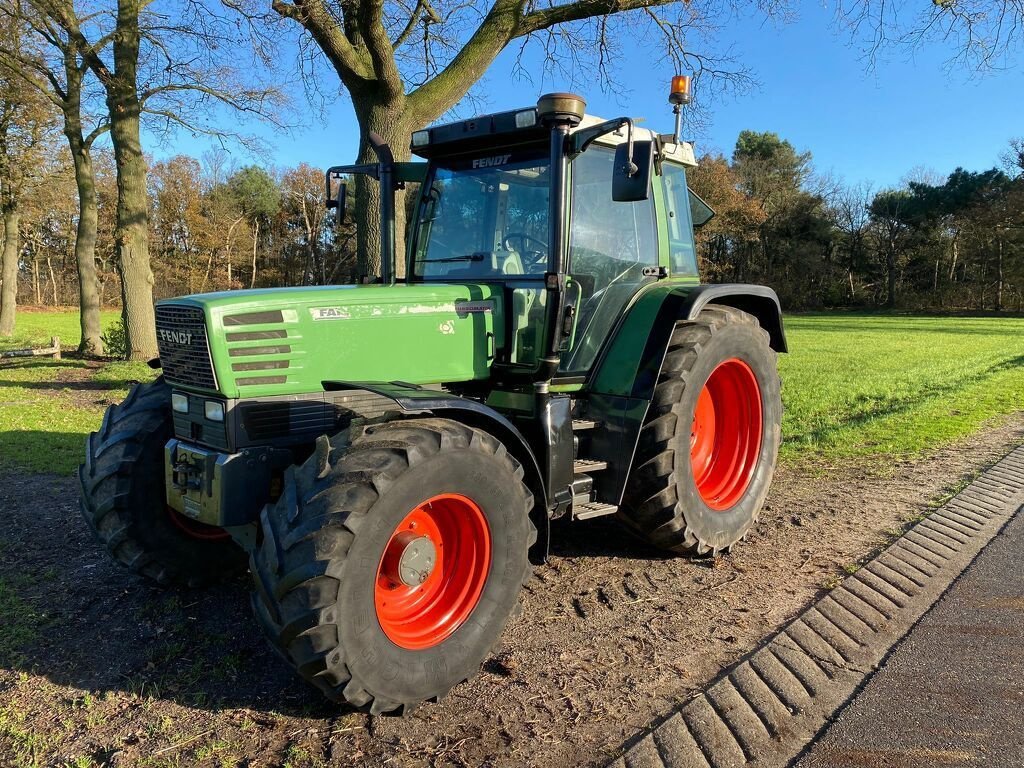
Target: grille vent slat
<point>184,348</point>
<point>302,419</point>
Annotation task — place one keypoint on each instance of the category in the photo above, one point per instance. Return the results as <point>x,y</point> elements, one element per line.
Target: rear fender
<point>623,381</point>
<point>632,358</point>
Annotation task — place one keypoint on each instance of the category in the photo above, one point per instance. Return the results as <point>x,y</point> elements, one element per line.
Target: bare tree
<point>26,126</point>
<point>849,209</point>
<point>51,62</point>
<point>1013,158</point>
<point>175,64</point>
<point>979,34</point>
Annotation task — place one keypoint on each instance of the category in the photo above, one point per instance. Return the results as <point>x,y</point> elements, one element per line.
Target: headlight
<point>214,410</point>
<point>420,138</point>
<point>179,402</point>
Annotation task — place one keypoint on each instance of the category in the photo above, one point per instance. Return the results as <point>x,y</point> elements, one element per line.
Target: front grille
<point>184,349</point>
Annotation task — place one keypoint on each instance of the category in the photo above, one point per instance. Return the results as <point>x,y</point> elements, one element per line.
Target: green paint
<point>422,334</point>
<point>505,400</point>
<point>617,370</point>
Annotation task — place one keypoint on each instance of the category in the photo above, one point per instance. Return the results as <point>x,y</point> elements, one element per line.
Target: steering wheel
<point>539,255</point>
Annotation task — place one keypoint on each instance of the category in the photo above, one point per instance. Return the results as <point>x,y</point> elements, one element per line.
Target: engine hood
<point>288,340</point>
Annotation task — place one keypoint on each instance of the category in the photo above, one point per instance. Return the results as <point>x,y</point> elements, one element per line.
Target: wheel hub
<point>725,437</point>
<point>416,559</point>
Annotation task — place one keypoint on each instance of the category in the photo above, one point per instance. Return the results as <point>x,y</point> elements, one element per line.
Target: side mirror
<point>341,202</point>
<point>631,176</point>
<point>336,194</point>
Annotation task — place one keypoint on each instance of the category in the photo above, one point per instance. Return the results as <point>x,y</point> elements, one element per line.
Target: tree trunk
<point>255,242</point>
<point>229,245</point>
<point>999,275</point>
<point>890,258</point>
<point>209,266</point>
<point>9,269</point>
<point>956,254</point>
<point>53,282</point>
<point>85,243</point>
<point>131,238</point>
<point>392,124</point>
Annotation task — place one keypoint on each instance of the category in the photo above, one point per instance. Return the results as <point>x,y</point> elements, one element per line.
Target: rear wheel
<point>708,448</point>
<point>124,499</point>
<point>389,566</point>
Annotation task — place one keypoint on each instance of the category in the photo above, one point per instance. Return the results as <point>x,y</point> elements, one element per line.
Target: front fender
<point>415,400</point>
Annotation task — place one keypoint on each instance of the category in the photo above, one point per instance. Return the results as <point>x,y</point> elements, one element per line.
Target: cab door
<point>613,253</point>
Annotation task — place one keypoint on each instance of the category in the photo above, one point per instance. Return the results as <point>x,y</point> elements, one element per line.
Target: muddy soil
<point>611,636</point>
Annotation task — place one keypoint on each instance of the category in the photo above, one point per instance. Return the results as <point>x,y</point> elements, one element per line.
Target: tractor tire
<point>708,446</point>
<point>333,589</point>
<point>123,497</point>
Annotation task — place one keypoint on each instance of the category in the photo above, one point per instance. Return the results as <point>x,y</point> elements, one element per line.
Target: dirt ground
<point>612,635</point>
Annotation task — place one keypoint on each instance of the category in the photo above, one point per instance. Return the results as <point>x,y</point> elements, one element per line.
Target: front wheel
<point>708,447</point>
<point>123,497</point>
<point>389,566</point>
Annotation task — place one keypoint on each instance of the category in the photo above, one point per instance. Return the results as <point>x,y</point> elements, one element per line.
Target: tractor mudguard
<point>414,400</point>
<point>631,360</point>
<point>625,375</point>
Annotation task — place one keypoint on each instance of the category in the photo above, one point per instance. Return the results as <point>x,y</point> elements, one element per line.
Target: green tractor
<point>384,455</point>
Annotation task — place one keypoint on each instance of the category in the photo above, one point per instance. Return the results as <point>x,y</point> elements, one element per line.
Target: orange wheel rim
<point>725,439</point>
<point>433,571</point>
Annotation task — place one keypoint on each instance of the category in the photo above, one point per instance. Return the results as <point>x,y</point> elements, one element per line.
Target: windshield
<point>485,218</point>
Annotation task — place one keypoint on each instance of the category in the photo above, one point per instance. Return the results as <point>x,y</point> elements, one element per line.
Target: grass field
<point>855,386</point>
<point>47,406</point>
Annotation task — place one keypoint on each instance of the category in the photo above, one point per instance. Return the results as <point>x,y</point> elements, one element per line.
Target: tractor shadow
<point>71,615</point>
<point>600,537</point>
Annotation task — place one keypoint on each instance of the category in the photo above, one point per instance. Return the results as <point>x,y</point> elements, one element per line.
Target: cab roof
<point>520,127</point>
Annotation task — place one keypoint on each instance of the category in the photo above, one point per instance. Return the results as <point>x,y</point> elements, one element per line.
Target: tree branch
<point>379,46</point>
<point>438,95</point>
<point>323,27</point>
<point>96,132</point>
<point>579,10</point>
<point>410,25</point>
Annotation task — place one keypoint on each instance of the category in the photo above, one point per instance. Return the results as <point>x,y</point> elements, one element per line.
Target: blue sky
<point>816,90</point>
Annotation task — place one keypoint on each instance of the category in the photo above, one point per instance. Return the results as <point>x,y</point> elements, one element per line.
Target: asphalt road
<point>952,692</point>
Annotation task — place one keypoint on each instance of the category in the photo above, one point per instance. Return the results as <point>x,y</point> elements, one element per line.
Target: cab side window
<point>683,258</point>
<point>608,240</point>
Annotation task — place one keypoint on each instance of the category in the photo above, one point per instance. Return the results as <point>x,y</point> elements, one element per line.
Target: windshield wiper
<point>467,257</point>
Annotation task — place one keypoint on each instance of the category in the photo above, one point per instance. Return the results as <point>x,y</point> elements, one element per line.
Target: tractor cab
<point>567,215</point>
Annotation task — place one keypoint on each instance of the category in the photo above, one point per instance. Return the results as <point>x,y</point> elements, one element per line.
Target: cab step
<point>580,425</point>
<point>583,466</point>
<point>592,509</point>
